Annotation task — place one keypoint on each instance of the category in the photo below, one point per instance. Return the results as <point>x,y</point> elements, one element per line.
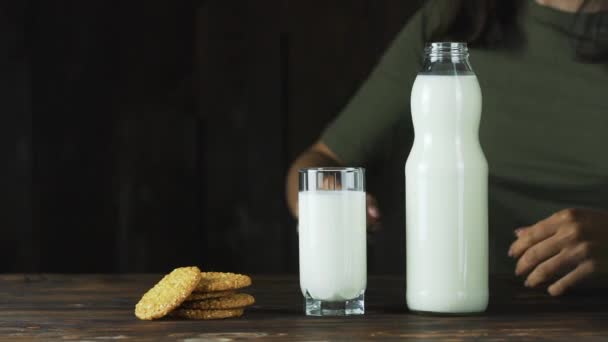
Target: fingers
<point>581,272</point>
<point>550,269</point>
<point>373,214</point>
<point>331,182</point>
<point>560,264</point>
<point>527,237</point>
<point>538,254</point>
<point>558,247</point>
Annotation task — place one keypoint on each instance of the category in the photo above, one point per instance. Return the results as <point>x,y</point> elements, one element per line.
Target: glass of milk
<point>446,188</point>
<point>332,238</point>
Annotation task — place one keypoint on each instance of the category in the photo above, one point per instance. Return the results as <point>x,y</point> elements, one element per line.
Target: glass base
<point>315,307</point>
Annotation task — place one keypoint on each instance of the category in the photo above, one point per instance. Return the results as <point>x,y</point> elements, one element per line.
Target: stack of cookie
<point>188,293</point>
<point>215,297</point>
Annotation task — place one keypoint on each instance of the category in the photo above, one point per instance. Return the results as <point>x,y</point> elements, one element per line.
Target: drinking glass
<point>332,240</point>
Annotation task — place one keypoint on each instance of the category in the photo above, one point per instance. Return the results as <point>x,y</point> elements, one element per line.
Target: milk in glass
<point>333,265</point>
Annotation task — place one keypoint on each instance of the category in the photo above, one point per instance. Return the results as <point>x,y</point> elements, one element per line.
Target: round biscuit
<point>218,281</point>
<point>238,300</point>
<point>168,293</point>
<point>206,314</point>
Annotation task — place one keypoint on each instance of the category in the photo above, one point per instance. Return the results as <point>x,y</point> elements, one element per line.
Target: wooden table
<point>100,307</point>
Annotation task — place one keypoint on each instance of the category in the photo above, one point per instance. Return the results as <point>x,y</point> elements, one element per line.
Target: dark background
<point>142,135</point>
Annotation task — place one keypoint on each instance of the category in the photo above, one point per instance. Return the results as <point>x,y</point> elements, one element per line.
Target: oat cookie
<point>168,293</point>
<point>239,300</point>
<point>206,314</point>
<point>218,281</point>
<point>206,295</point>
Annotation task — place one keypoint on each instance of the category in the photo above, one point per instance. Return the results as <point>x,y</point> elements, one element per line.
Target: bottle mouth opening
<point>446,49</point>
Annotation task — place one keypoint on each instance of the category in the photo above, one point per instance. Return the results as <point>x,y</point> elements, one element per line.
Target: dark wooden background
<point>142,135</point>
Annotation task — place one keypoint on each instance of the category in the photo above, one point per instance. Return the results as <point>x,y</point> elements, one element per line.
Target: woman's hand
<point>565,249</point>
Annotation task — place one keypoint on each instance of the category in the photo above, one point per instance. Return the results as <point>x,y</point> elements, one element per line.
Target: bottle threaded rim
<point>446,49</point>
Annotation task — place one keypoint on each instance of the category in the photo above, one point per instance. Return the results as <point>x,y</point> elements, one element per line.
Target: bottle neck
<point>446,58</point>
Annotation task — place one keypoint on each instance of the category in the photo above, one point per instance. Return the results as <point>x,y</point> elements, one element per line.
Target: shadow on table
<point>507,296</point>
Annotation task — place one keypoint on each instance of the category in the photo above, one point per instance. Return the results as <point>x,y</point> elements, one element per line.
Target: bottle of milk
<point>446,188</point>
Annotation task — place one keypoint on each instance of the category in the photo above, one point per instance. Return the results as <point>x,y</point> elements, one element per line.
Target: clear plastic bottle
<point>446,188</point>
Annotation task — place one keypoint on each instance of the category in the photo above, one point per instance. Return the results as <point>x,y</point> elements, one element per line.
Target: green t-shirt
<point>544,126</point>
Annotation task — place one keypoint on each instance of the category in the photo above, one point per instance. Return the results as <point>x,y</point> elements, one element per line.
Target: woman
<point>542,67</point>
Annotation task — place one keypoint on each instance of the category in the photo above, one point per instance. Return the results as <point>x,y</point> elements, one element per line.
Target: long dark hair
<point>493,24</point>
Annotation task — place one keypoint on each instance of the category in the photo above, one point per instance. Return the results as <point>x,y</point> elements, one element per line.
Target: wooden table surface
<point>100,307</point>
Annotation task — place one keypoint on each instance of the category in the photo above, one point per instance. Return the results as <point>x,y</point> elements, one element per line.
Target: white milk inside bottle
<point>446,188</point>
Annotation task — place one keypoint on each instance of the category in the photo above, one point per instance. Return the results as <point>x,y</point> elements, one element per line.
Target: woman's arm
<point>358,134</point>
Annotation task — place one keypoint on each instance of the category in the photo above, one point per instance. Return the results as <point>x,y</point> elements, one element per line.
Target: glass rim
<point>332,169</point>
<point>331,179</point>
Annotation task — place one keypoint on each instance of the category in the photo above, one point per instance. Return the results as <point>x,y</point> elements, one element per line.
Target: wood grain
<point>82,307</point>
